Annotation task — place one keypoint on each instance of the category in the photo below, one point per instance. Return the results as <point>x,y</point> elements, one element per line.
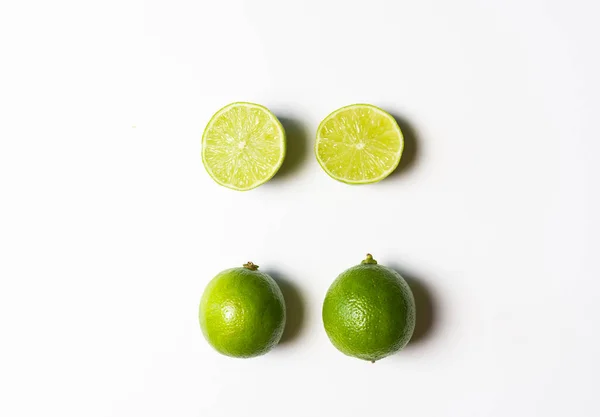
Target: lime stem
<point>369,260</point>
<point>250,266</point>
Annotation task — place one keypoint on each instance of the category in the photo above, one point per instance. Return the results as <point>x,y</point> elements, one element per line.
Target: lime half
<point>359,144</point>
<point>243,146</point>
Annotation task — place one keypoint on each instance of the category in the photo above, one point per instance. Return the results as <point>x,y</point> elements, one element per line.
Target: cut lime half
<point>243,146</point>
<point>359,144</point>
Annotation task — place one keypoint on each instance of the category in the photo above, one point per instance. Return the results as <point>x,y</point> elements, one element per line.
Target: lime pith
<point>243,146</point>
<point>359,144</point>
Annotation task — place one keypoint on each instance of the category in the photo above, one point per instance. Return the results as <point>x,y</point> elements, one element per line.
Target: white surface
<point>110,227</point>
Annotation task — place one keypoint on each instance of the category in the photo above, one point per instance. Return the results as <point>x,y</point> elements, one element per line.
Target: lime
<point>359,144</point>
<point>243,146</point>
<point>369,311</point>
<point>242,312</point>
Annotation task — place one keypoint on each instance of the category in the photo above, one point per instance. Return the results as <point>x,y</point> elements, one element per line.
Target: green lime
<point>242,312</point>
<point>243,146</point>
<point>369,311</point>
<point>359,144</point>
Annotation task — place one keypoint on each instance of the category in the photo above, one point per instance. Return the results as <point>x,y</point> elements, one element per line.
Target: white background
<point>110,228</point>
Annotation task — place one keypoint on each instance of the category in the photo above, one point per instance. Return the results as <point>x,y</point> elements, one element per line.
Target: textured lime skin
<point>369,312</point>
<point>242,313</point>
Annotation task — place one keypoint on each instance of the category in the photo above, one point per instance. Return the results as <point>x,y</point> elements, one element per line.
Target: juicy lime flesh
<point>242,313</point>
<point>369,312</point>
<point>243,146</point>
<point>359,144</point>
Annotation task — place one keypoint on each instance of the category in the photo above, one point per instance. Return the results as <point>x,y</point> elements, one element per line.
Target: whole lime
<point>242,312</point>
<point>369,311</point>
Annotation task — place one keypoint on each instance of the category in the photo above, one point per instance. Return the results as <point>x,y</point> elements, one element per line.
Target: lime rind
<point>375,152</point>
<point>369,311</point>
<point>242,312</point>
<point>262,159</point>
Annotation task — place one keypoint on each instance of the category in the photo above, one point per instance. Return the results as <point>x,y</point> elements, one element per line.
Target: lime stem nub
<point>250,266</point>
<point>369,260</point>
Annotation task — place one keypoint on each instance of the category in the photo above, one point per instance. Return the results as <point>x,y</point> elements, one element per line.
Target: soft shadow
<point>297,147</point>
<point>294,307</point>
<point>410,153</point>
<point>426,305</point>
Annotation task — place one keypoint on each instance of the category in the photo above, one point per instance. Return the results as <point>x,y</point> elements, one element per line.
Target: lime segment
<point>243,146</point>
<point>359,144</point>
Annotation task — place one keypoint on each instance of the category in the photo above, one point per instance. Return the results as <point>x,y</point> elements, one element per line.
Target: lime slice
<point>359,144</point>
<point>243,146</point>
